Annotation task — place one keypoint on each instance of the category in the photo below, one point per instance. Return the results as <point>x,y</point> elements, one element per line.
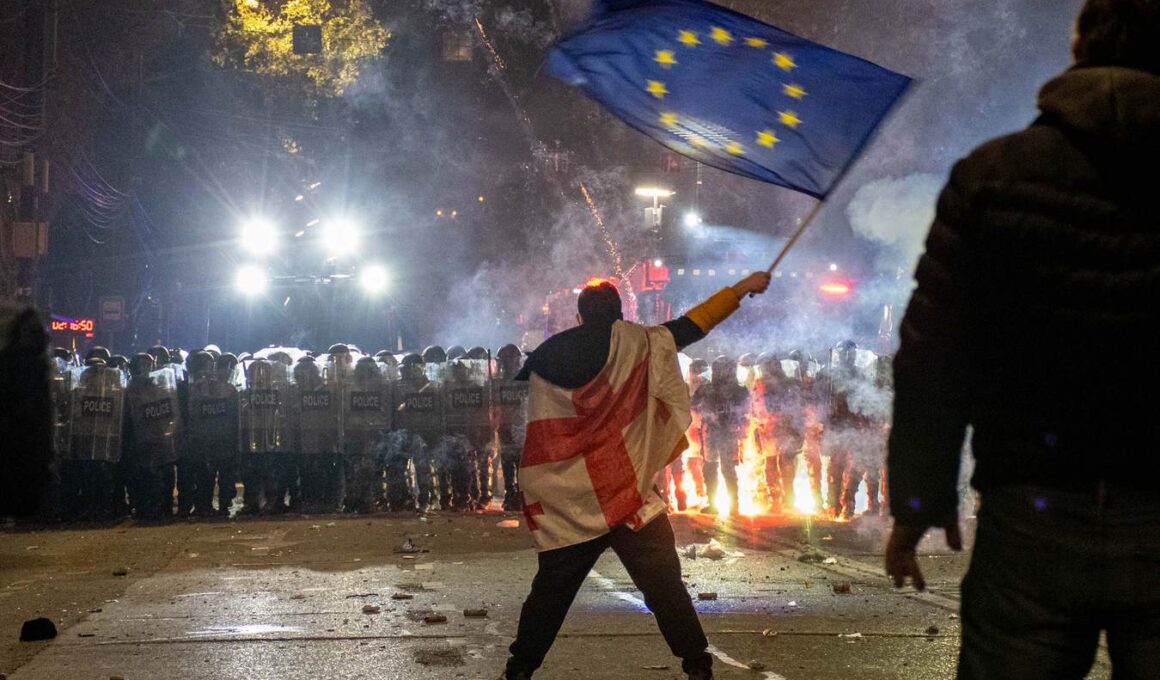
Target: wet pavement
<point>292,597</point>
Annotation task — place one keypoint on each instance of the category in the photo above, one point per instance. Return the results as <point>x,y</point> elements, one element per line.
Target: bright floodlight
<point>692,219</point>
<point>653,192</point>
<point>373,278</point>
<point>658,262</point>
<point>259,236</point>
<point>340,236</point>
<point>251,280</point>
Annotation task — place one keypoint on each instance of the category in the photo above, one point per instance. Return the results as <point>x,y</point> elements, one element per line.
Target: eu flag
<point>728,90</point>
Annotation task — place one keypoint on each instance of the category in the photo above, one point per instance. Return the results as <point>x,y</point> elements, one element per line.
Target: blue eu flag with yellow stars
<point>728,90</point>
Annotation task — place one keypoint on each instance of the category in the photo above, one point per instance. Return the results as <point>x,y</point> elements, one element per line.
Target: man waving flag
<point>728,90</point>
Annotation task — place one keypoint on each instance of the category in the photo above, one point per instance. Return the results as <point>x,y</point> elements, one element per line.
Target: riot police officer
<point>89,471</point>
<point>722,404</point>
<point>845,429</point>
<point>210,454</point>
<point>266,439</point>
<point>151,436</point>
<point>467,423</point>
<point>366,420</point>
<point>315,418</point>
<point>510,399</point>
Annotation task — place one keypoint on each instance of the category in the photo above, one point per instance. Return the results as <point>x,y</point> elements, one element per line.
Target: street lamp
<point>259,236</point>
<point>340,236</point>
<point>653,215</point>
<point>692,220</point>
<point>373,279</point>
<point>251,280</point>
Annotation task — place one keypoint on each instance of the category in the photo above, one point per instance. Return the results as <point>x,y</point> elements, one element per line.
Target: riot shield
<point>214,415</point>
<point>153,409</point>
<point>510,405</point>
<point>62,386</point>
<point>419,407</point>
<point>266,408</point>
<point>95,414</point>
<point>467,401</point>
<point>365,407</point>
<point>315,410</point>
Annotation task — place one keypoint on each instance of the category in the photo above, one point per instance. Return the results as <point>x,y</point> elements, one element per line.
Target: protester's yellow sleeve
<point>715,309</point>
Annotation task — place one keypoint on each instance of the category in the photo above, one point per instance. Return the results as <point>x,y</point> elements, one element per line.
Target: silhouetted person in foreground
<point>1047,240</point>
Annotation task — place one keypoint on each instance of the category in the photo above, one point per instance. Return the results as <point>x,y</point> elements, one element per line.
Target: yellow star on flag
<point>668,119</point>
<point>757,42</point>
<point>767,138</point>
<point>734,148</point>
<point>665,58</point>
<point>783,61</point>
<point>656,88</point>
<point>688,38</point>
<point>788,119</point>
<point>698,141</point>
<point>795,91</point>
<point>720,36</point>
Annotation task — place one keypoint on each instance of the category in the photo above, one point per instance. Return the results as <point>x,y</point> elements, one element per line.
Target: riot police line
<point>778,412</point>
<point>165,432</point>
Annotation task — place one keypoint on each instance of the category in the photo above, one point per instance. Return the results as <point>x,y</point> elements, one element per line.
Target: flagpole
<point>796,235</point>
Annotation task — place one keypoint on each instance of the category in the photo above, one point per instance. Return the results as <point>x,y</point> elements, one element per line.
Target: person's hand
<point>754,284</point>
<point>901,560</point>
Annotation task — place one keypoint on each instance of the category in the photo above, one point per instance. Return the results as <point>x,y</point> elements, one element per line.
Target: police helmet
<point>509,351</point>
<point>411,367</point>
<point>698,366</point>
<point>477,353</point>
<point>98,352</point>
<point>434,354</point>
<point>723,368</point>
<point>118,361</point>
<point>338,348</point>
<point>200,363</point>
<point>159,353</point>
<point>141,364</point>
<point>455,351</point>
<point>385,357</point>
<point>62,353</point>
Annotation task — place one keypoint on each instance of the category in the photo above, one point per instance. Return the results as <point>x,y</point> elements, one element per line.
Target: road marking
<point>609,586</point>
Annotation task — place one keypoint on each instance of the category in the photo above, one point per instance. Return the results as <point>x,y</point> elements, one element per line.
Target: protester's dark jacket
<point>25,413</point>
<point>1035,319</point>
<point>573,358</point>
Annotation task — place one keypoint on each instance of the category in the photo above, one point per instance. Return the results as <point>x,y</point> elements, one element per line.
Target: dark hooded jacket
<point>1035,319</point>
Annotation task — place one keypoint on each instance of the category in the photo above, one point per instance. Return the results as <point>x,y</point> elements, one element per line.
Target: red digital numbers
<point>85,326</point>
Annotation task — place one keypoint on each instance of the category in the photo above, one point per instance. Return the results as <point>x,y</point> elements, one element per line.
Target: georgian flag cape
<point>592,454</point>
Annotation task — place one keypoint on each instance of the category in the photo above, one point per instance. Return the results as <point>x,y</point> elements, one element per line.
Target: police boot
<point>711,488</point>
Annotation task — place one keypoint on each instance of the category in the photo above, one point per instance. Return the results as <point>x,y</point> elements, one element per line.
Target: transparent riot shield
<point>467,401</point>
<point>214,415</point>
<point>63,376</point>
<point>315,410</point>
<point>96,413</point>
<point>266,408</point>
<point>153,408</point>
<point>366,408</point>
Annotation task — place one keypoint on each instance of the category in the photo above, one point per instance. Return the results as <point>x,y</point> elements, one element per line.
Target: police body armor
<point>95,418</point>
<point>366,406</point>
<point>467,402</point>
<point>266,408</point>
<point>214,410</point>
<point>153,407</point>
<point>315,409</point>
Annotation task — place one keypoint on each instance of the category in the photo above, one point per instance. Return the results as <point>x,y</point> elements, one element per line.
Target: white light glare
<point>658,262</point>
<point>692,219</point>
<point>340,236</point>
<point>259,236</point>
<point>833,267</point>
<point>373,278</point>
<point>653,192</point>
<point>251,280</point>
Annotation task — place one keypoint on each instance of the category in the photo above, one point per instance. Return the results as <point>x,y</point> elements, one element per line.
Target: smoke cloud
<point>895,213</point>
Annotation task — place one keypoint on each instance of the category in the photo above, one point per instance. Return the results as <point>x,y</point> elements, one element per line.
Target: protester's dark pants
<point>1050,570</point>
<point>649,556</point>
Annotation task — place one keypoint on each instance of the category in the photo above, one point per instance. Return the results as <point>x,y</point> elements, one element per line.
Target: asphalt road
<point>284,598</point>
